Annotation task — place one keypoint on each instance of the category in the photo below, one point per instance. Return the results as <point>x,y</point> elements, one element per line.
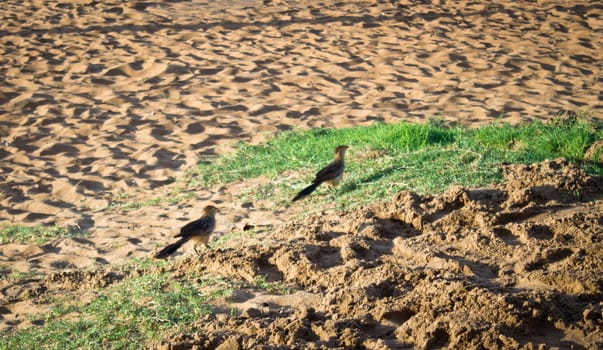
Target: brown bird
<point>331,174</point>
<point>197,231</point>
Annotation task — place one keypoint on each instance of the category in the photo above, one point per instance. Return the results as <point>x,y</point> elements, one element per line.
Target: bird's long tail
<point>170,249</point>
<point>306,191</point>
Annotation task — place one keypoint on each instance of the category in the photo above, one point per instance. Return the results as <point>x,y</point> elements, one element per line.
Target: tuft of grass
<point>537,141</point>
<point>294,149</point>
<point>124,203</point>
<point>224,239</point>
<point>387,158</point>
<point>38,234</point>
<point>278,287</point>
<point>150,304</point>
<point>8,274</point>
<point>126,315</point>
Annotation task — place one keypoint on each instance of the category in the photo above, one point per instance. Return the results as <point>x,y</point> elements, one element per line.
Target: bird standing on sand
<point>197,231</point>
<point>331,174</point>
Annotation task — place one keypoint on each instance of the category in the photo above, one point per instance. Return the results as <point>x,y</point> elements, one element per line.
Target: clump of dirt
<point>513,266</point>
<point>595,152</point>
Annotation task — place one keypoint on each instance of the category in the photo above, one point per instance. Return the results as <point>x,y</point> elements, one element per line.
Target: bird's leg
<point>332,191</point>
<point>205,247</point>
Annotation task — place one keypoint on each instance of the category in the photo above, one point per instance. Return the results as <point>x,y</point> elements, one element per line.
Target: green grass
<point>38,234</point>
<point>387,158</point>
<point>124,203</point>
<point>150,304</point>
<point>261,282</point>
<point>124,315</point>
<point>230,237</point>
<point>291,150</point>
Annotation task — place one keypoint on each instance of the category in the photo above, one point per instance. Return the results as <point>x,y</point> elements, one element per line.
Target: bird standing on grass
<point>197,231</point>
<point>331,174</point>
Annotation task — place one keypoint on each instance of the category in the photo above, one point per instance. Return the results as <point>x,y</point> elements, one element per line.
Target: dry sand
<point>104,99</point>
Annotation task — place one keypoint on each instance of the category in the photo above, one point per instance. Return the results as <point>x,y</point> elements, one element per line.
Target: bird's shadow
<point>352,186</point>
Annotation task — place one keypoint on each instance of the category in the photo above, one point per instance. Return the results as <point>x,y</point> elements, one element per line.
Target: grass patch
<point>387,158</point>
<point>148,305</point>
<point>38,234</point>
<point>8,274</point>
<point>230,237</point>
<point>125,315</point>
<point>261,282</point>
<point>295,150</point>
<point>125,203</point>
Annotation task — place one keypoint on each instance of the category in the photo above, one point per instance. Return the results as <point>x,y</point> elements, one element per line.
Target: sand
<point>112,99</point>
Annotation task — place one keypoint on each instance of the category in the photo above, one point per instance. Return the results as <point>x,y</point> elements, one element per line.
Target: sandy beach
<point>105,100</point>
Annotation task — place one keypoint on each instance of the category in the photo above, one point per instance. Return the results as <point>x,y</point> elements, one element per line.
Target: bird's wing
<point>331,171</point>
<point>201,225</point>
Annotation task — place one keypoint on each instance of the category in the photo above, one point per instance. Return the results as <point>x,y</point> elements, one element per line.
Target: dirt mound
<point>512,266</point>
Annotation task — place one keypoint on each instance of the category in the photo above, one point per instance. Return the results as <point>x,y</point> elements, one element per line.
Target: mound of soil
<point>519,265</point>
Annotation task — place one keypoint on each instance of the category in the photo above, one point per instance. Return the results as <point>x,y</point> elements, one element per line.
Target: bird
<point>197,231</point>
<point>331,174</point>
